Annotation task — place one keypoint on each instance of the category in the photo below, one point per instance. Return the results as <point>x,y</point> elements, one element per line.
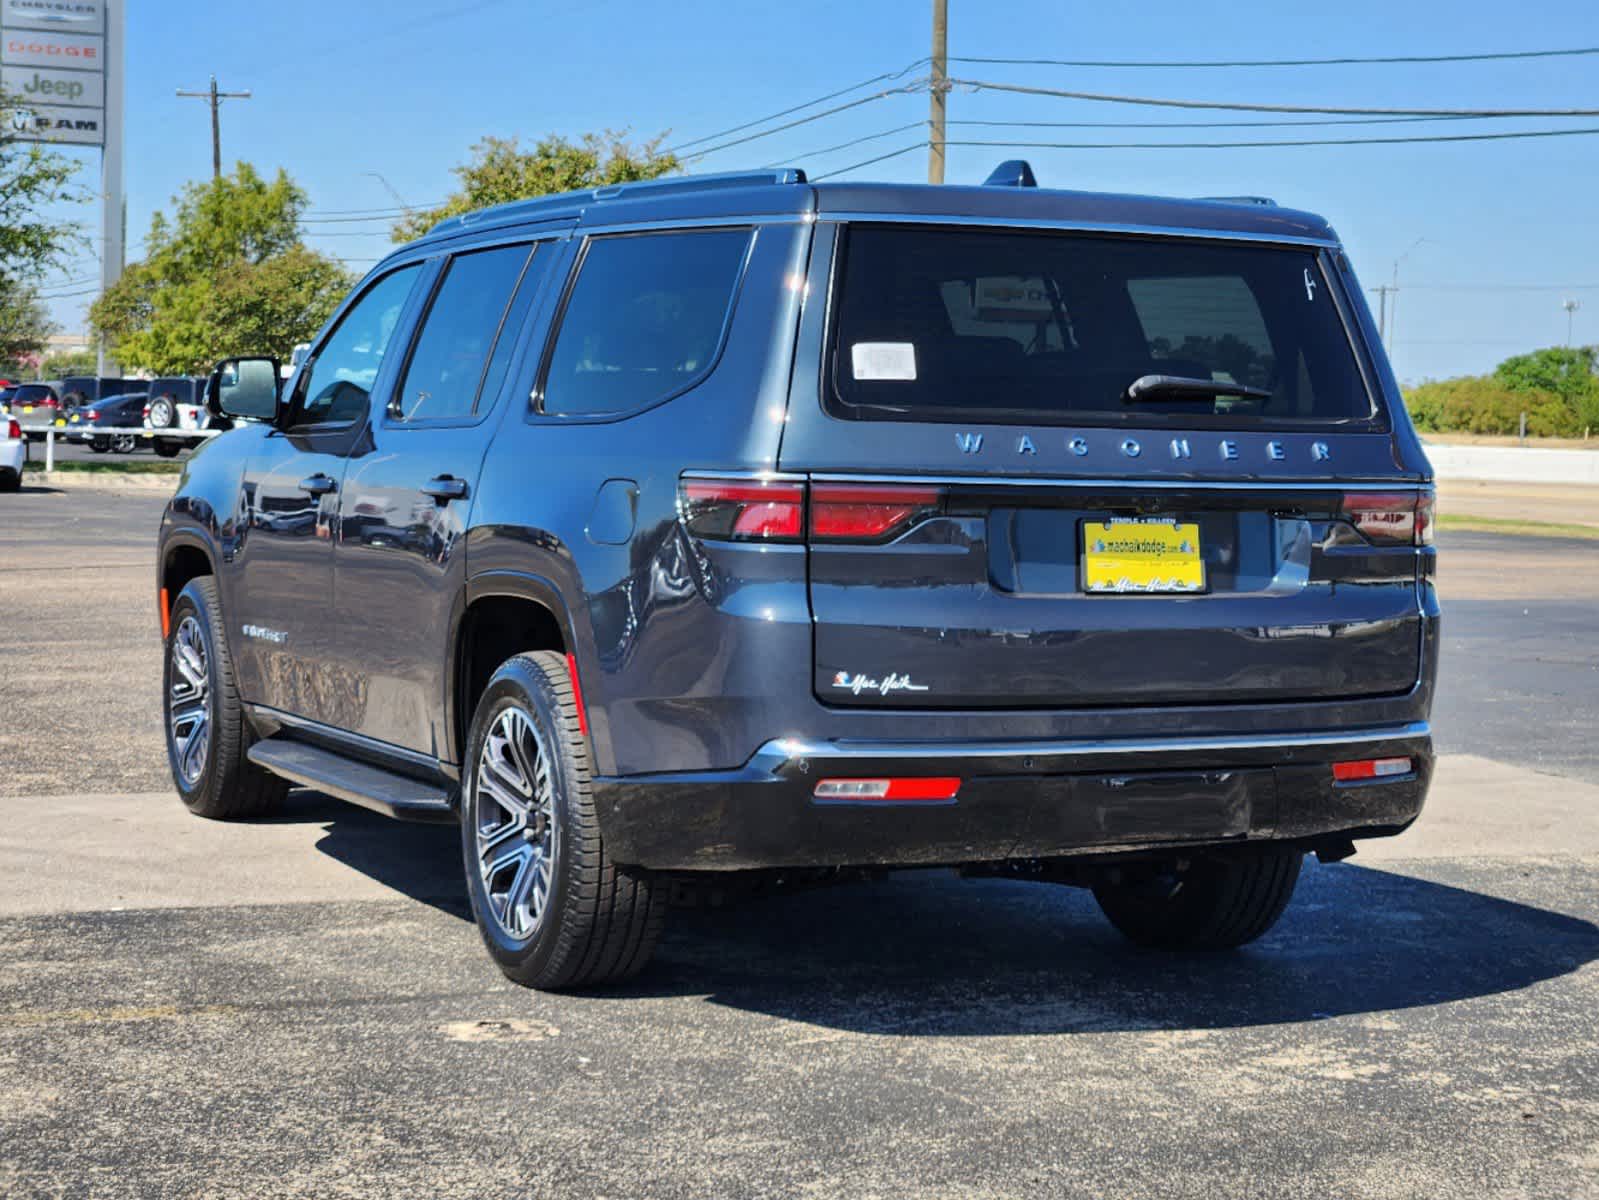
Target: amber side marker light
<point>1371,768</point>
<point>166,615</point>
<point>887,791</point>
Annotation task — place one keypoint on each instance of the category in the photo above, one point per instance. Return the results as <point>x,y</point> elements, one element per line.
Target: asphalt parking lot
<point>301,1007</point>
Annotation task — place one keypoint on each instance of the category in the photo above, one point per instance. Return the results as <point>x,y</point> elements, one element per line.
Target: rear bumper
<point>1035,799</point>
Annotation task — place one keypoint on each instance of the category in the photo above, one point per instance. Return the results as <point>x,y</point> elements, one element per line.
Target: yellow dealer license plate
<point>1125,555</point>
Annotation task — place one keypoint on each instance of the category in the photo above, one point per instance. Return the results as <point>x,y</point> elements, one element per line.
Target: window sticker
<point>884,360</point>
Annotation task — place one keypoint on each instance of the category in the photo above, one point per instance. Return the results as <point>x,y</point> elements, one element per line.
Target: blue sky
<point>402,88</point>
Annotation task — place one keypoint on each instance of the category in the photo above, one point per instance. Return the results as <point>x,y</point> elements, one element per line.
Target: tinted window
<point>943,324</point>
<point>32,393</point>
<point>449,362</point>
<point>338,386</point>
<point>644,319</point>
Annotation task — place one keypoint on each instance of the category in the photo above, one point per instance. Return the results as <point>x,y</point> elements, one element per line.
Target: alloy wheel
<point>189,701</point>
<point>513,810</point>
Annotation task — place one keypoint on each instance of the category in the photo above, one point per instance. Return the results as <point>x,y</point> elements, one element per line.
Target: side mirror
<point>245,387</point>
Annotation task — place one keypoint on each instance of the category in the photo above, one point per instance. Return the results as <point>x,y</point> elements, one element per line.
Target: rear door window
<point>644,320</point>
<point>450,360</point>
<point>953,324</point>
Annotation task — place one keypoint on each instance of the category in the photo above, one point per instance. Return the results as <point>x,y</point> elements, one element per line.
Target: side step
<point>370,787</point>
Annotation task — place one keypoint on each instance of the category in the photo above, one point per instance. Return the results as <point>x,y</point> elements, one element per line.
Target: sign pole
<point>112,225</point>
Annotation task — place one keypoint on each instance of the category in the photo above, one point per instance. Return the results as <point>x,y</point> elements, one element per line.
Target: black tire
<point>10,481</point>
<point>227,786</point>
<point>100,445</point>
<point>163,412</point>
<point>1216,904</point>
<point>597,925</point>
<point>167,449</point>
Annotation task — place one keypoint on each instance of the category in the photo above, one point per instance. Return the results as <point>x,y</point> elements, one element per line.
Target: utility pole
<point>216,98</point>
<point>1382,290</point>
<point>1571,307</point>
<point>938,89</point>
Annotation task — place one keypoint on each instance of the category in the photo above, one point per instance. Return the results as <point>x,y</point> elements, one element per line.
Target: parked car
<point>5,398</point>
<point>38,404</point>
<point>114,412</point>
<point>741,527</point>
<point>13,453</point>
<point>79,390</point>
<point>176,402</point>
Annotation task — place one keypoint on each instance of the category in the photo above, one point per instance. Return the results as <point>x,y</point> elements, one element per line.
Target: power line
<point>918,85</point>
<point>854,87</point>
<point>1268,124</point>
<point>1502,287</point>
<point>1281,62</point>
<point>1240,106</point>
<point>868,162</point>
<point>870,137</point>
<point>1376,141</point>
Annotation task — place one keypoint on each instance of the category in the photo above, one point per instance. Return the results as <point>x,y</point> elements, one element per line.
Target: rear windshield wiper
<point>1181,387</point>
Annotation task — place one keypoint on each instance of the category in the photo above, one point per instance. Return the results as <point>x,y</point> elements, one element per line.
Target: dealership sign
<point>52,69</point>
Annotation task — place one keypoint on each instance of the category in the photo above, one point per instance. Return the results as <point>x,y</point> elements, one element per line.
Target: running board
<point>371,787</point>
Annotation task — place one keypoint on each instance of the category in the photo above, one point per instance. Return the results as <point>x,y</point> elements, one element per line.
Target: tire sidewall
<point>191,602</point>
<point>519,684</point>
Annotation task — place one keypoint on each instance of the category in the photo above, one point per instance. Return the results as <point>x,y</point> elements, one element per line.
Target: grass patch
<point>1469,524</point>
<point>160,467</point>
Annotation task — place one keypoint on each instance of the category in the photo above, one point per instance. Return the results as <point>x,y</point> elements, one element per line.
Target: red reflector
<point>738,510</point>
<point>886,791</point>
<point>577,696</point>
<point>1370,768</point>
<point>847,510</point>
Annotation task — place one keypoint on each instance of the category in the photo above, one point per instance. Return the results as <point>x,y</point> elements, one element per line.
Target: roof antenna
<point>1015,172</point>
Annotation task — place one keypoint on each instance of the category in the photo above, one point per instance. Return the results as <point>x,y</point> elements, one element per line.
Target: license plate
<point>1122,556</point>
<point>60,424</point>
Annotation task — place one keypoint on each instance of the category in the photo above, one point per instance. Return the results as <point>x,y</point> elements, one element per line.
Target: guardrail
<point>50,432</point>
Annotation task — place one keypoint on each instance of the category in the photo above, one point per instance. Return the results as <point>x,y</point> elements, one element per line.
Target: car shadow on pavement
<point>926,953</point>
<point>945,957</point>
<point>419,860</point>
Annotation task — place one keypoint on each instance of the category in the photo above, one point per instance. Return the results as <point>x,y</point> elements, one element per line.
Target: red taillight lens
<point>1391,518</point>
<point>14,429</point>
<point>887,791</point>
<point>92,415</point>
<point>1371,768</point>
<point>867,512</point>
<point>744,510</point>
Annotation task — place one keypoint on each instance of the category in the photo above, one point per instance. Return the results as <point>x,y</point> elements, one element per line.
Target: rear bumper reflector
<point>887,791</point>
<point>1371,768</point>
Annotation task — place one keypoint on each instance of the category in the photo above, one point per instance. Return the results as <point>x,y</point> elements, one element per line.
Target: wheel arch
<point>505,613</point>
<point>184,556</point>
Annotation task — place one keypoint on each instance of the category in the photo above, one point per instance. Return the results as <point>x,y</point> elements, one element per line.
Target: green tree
<point>33,181</point>
<point>500,170</point>
<point>227,273</point>
<point>24,327</point>
<point>1567,371</point>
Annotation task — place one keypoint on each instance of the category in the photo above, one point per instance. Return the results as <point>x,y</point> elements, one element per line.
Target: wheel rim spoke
<point>189,701</point>
<point>512,810</point>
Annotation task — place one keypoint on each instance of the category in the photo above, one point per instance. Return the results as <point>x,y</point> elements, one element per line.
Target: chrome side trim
<point>1183,231</point>
<point>782,751</point>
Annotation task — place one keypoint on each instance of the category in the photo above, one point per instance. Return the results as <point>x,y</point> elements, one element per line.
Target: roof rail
<point>1262,201</point>
<point>668,185</point>
<point>1013,172</point>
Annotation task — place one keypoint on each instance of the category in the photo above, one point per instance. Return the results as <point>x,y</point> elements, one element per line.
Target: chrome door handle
<point>318,485</point>
<point>445,488</point>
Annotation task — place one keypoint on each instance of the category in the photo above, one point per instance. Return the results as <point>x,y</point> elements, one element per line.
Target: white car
<point>13,453</point>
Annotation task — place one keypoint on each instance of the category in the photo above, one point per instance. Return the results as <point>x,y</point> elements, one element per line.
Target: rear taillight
<point>867,512</point>
<point>1391,518</point>
<point>92,415</point>
<point>13,429</point>
<point>754,510</point>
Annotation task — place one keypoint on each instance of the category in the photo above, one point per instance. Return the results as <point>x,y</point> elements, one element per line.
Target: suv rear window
<point>943,324</point>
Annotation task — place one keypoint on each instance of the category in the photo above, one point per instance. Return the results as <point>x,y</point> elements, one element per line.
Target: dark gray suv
<point>740,527</point>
